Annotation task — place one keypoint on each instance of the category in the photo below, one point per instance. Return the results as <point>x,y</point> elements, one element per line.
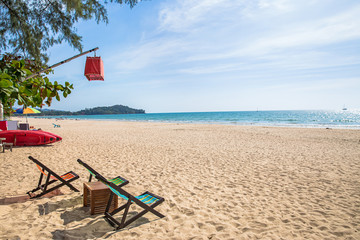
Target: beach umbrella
<point>27,111</point>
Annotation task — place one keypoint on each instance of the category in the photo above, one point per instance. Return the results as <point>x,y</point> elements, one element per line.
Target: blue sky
<point>219,55</point>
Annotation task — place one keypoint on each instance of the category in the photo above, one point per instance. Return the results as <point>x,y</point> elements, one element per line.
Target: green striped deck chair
<point>147,201</point>
<point>51,177</point>
<point>118,181</point>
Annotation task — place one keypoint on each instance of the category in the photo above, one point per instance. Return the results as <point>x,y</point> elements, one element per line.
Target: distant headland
<point>116,109</point>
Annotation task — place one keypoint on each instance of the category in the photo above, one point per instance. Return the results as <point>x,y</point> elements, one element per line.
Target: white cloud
<point>306,34</point>
<point>148,53</point>
<point>282,5</point>
<point>319,85</point>
<point>215,36</point>
<point>185,15</point>
<point>342,27</point>
<point>189,15</point>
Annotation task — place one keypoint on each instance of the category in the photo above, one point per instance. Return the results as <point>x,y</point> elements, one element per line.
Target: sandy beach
<point>218,181</point>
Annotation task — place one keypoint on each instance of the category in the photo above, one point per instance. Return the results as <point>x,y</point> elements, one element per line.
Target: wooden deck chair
<point>51,177</point>
<point>148,201</point>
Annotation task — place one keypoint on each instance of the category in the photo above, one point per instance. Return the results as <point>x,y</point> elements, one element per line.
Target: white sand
<point>219,182</point>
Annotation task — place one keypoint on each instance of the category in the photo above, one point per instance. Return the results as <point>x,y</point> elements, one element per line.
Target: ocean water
<point>315,119</point>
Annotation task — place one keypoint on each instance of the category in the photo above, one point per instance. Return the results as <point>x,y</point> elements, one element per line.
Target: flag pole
<point>60,63</point>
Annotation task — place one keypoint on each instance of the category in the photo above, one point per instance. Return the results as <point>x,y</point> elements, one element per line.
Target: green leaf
<point>31,92</point>
<point>5,83</point>
<point>22,89</point>
<point>4,75</point>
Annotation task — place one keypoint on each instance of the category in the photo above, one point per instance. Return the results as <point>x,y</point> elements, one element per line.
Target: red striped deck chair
<point>56,181</point>
<point>147,201</point>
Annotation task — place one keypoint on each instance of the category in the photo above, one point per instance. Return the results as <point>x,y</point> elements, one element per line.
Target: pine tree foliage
<point>30,27</point>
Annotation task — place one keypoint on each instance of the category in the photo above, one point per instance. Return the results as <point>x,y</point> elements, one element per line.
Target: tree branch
<point>13,12</point>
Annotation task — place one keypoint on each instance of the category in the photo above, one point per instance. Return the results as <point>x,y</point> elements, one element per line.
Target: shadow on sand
<point>79,224</point>
<point>46,208</point>
<point>25,198</point>
<point>95,228</point>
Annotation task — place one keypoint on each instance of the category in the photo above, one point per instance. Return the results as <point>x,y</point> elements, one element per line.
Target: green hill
<point>116,109</point>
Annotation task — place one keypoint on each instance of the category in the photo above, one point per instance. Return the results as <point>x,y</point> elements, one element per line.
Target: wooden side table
<point>8,146</point>
<point>1,143</point>
<point>97,195</point>
<point>5,145</point>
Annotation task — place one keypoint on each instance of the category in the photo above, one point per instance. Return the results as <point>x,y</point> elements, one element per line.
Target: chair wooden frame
<point>130,200</point>
<point>51,177</point>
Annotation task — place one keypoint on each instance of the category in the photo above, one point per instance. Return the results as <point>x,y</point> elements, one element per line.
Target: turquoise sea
<point>318,119</point>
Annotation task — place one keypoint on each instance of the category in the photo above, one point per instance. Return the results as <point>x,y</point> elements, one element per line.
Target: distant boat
<point>344,108</point>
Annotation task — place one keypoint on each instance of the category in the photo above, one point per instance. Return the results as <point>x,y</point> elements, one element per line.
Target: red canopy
<point>94,69</point>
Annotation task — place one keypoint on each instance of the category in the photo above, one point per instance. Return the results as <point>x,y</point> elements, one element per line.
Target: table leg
<point>86,192</point>
<point>92,203</point>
